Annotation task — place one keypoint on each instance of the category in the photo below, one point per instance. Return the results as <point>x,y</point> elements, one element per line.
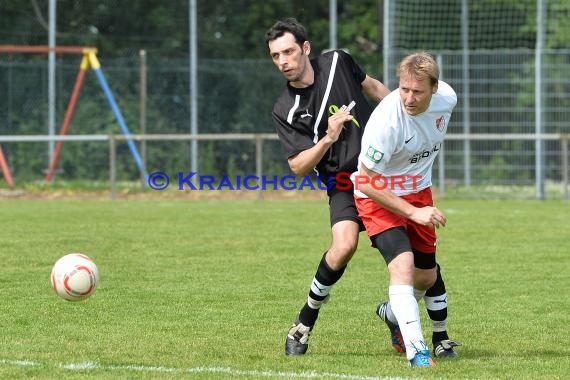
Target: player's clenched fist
<point>336,123</point>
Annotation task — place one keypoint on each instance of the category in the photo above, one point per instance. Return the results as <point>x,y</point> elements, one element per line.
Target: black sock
<point>324,279</point>
<point>436,304</point>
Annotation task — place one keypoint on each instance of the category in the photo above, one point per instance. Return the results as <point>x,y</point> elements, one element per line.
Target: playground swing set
<point>89,60</point>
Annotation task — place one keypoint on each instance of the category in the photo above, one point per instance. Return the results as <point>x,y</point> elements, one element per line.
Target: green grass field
<point>208,289</point>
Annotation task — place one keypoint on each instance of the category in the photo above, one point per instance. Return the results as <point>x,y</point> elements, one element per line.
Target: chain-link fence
<point>234,97</point>
<point>497,96</point>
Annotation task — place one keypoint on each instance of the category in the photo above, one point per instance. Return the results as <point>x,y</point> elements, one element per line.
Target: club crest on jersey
<point>440,123</point>
<point>374,155</point>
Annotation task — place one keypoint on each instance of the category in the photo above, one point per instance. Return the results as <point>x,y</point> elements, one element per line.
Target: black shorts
<point>395,241</point>
<point>342,206</point>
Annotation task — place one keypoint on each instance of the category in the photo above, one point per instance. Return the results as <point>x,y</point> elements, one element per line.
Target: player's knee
<point>345,236</point>
<point>426,270</point>
<point>339,255</point>
<point>347,247</point>
<point>401,269</point>
<point>424,278</point>
<point>344,245</point>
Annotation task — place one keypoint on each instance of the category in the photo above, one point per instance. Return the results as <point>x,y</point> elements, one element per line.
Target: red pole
<point>44,49</point>
<point>68,117</point>
<point>6,169</point>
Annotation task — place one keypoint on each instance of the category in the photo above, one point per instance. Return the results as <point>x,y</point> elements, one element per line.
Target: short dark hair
<point>290,25</point>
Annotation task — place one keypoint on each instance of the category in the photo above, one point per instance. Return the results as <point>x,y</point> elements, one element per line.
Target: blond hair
<point>420,66</point>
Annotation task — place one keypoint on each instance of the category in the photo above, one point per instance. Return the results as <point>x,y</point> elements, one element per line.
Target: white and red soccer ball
<point>74,277</point>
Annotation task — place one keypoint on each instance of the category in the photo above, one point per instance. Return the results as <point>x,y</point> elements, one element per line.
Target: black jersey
<point>301,114</point>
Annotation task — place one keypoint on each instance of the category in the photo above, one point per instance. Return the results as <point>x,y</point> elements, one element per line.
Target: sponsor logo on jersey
<point>417,157</point>
<point>373,154</point>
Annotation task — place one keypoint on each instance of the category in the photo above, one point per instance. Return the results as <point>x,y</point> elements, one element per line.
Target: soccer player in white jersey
<point>392,189</point>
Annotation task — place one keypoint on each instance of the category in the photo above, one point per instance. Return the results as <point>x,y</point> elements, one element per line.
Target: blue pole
<point>134,151</point>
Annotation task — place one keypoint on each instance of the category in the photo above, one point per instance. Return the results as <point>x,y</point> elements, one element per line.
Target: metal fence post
<point>259,163</point>
<point>113,165</point>
<point>564,143</point>
<point>142,114</point>
<point>441,170</point>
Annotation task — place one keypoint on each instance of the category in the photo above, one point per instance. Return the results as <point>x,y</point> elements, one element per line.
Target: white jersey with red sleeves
<point>401,147</point>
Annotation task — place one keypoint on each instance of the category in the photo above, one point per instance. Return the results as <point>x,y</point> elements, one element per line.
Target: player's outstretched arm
<point>375,89</point>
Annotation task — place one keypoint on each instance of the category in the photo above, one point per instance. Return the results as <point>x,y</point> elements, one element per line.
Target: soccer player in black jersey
<point>318,131</point>
<point>320,118</point>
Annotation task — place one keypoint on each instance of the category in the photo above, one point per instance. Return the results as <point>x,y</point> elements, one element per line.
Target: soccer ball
<point>74,277</point>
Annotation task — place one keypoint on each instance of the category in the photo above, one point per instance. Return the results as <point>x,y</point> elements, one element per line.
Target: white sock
<point>436,304</point>
<point>418,295</point>
<point>405,308</point>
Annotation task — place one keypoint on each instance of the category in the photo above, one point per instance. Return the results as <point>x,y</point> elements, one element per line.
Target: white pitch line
<point>22,363</point>
<point>220,370</point>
